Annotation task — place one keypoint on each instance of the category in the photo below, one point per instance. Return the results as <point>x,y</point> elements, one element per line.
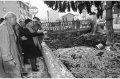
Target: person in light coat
<point>9,51</point>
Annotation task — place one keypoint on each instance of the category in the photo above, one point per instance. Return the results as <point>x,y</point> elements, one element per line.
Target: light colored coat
<point>9,51</point>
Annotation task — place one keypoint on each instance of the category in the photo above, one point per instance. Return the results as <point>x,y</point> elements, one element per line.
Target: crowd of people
<point>20,44</point>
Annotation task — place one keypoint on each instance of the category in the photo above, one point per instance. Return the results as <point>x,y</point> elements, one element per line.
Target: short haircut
<point>27,21</point>
<point>1,19</point>
<point>36,18</point>
<point>9,15</point>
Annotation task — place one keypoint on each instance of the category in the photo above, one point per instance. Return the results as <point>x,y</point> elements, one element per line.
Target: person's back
<point>93,22</point>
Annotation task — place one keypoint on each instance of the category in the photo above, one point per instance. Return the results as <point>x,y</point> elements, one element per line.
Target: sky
<point>42,8</point>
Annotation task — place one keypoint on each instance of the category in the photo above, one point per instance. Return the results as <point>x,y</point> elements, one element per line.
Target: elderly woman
<point>31,43</point>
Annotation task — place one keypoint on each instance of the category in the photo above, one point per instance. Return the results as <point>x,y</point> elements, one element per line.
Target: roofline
<point>25,3</point>
<point>67,14</point>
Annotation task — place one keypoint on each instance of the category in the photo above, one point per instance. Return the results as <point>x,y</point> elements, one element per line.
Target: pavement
<point>42,73</point>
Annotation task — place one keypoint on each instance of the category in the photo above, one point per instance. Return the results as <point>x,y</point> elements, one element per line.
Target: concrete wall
<point>55,67</point>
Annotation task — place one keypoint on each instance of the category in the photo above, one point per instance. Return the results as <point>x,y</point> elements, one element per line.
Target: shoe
<point>26,62</point>
<point>35,70</point>
<point>25,74</point>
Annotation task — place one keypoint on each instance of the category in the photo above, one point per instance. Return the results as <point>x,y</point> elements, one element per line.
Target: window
<point>17,2</point>
<point>20,4</point>
<point>20,12</point>
<point>4,9</point>
<point>27,9</point>
<point>3,2</point>
<point>23,6</point>
<point>19,16</point>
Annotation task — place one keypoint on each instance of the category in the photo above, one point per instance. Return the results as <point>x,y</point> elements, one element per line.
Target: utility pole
<point>48,15</point>
<point>34,15</point>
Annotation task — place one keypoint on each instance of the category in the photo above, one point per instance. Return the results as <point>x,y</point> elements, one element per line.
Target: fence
<point>70,25</point>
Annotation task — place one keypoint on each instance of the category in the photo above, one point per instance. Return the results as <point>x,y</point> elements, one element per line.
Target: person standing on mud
<point>94,19</point>
<point>94,22</point>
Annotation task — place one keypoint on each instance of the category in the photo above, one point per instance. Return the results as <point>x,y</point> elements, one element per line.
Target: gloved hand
<point>45,32</point>
<point>40,31</point>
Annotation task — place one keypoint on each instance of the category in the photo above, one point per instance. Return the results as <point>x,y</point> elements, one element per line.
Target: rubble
<point>88,40</point>
<point>86,56</point>
<point>42,73</point>
<point>86,62</point>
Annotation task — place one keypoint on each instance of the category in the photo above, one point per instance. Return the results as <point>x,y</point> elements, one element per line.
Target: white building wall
<point>53,16</point>
<point>9,6</point>
<point>12,6</point>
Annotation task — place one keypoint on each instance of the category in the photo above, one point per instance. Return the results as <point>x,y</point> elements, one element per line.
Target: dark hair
<point>27,21</point>
<point>36,18</point>
<point>1,20</point>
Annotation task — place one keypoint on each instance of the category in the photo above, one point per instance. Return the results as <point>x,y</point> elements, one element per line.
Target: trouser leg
<point>33,63</point>
<point>25,59</point>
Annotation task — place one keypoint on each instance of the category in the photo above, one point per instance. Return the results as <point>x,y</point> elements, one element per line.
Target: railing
<point>55,67</point>
<point>70,25</point>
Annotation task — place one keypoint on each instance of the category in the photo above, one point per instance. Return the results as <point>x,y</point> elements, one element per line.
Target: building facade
<point>20,8</point>
<point>68,17</point>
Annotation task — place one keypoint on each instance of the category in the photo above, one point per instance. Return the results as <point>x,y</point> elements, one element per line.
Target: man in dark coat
<point>36,27</point>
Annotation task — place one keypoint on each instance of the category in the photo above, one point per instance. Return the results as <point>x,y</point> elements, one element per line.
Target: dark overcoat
<point>28,46</point>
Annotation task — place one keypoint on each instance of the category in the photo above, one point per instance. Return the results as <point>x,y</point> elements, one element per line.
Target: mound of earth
<point>72,40</point>
<point>88,62</point>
